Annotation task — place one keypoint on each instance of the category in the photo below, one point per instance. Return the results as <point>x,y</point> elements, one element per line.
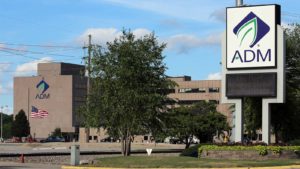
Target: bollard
<point>75,155</point>
<point>22,158</point>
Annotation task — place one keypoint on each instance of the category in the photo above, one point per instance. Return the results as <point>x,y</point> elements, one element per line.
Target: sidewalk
<point>14,165</point>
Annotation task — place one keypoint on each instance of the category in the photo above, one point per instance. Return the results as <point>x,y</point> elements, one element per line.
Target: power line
<point>38,45</point>
<point>19,54</point>
<point>34,52</point>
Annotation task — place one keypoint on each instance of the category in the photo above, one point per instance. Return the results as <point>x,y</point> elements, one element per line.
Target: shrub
<point>295,142</point>
<point>261,149</point>
<point>191,152</point>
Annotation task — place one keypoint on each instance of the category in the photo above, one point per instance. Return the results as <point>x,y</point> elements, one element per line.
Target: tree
<point>252,115</point>
<point>182,124</point>
<point>7,125</point>
<point>210,122</point>
<point>285,117</point>
<point>20,126</point>
<point>57,132</point>
<point>201,120</point>
<point>128,81</point>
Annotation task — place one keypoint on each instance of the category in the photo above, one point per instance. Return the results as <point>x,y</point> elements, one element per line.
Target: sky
<point>34,31</point>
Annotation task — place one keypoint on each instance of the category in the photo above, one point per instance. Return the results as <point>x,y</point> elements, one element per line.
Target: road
<point>64,147</point>
<point>12,165</point>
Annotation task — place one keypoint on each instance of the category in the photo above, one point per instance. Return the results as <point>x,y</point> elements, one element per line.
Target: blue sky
<point>34,31</point>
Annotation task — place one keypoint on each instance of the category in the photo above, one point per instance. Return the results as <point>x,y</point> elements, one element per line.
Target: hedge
<point>262,150</point>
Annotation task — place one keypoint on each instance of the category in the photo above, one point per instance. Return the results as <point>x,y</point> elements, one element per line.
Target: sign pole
<point>239,2</point>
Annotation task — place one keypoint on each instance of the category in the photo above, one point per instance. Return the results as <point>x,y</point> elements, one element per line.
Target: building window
<point>191,90</point>
<point>145,137</point>
<point>214,90</point>
<point>95,137</point>
<point>90,137</point>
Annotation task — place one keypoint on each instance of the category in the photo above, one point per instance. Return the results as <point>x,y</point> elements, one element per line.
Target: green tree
<point>252,115</point>
<point>7,125</point>
<point>182,124</point>
<point>57,132</point>
<point>127,95</point>
<point>20,126</point>
<point>201,120</point>
<point>286,117</point>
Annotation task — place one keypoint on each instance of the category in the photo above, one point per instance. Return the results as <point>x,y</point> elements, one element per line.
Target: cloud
<point>103,35</point>
<point>30,68</point>
<point>4,66</point>
<point>171,23</point>
<point>214,76</point>
<point>182,43</point>
<point>219,15</point>
<point>2,89</point>
<point>7,89</point>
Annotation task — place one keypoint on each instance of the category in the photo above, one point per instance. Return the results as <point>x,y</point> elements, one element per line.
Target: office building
<point>52,98</point>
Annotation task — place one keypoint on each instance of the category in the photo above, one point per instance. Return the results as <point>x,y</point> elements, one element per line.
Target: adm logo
<point>42,86</point>
<point>249,32</point>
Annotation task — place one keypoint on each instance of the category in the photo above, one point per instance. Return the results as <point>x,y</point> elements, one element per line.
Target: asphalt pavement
<point>13,165</point>
<point>24,148</point>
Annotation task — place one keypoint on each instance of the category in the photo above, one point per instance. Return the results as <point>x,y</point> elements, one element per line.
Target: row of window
<point>199,90</point>
<point>189,102</point>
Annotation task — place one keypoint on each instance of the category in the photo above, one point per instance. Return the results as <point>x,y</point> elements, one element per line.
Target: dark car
<point>54,139</point>
<point>108,139</point>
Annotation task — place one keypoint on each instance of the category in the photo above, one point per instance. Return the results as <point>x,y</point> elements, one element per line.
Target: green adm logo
<point>43,87</point>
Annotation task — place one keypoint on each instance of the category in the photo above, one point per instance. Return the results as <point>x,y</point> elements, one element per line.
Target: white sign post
<point>253,59</point>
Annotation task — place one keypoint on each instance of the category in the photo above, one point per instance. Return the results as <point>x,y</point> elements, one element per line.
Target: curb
<point>275,167</point>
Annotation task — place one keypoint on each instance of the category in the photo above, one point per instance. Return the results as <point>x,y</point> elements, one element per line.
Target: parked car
<point>175,140</point>
<point>53,139</point>
<point>108,139</point>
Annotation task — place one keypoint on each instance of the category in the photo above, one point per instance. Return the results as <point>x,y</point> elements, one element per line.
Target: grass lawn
<point>185,162</point>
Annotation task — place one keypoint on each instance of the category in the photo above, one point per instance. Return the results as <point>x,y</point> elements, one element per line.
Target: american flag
<point>38,113</point>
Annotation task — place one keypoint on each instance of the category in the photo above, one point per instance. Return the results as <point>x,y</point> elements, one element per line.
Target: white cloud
<point>7,89</point>
<point>219,15</point>
<point>103,35</point>
<point>173,23</point>
<point>2,89</point>
<point>140,32</point>
<point>214,76</point>
<point>30,68</point>
<point>4,66</point>
<point>182,43</point>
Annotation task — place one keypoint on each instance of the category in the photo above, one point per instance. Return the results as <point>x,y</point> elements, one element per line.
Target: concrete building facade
<point>186,92</point>
<point>190,91</point>
<point>58,89</point>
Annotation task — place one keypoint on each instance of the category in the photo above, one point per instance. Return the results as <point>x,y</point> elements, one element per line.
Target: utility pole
<point>239,2</point>
<point>87,130</point>
<point>89,64</point>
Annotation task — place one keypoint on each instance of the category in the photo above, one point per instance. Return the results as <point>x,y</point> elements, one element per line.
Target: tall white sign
<point>251,37</point>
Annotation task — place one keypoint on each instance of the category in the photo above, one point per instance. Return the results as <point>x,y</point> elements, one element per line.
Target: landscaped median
<point>184,162</point>
<point>258,152</point>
